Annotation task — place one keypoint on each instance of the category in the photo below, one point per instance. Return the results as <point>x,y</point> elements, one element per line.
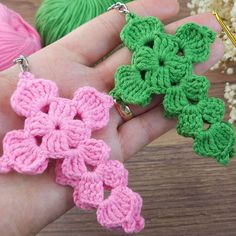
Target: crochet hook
<point>231,36</point>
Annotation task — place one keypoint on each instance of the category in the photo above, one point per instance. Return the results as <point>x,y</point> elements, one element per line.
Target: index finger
<point>98,37</point>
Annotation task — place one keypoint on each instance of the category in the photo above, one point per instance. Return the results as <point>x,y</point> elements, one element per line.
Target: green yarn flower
<point>193,116</point>
<point>190,90</point>
<point>137,90</point>
<point>194,41</point>
<point>140,30</point>
<point>160,60</point>
<point>163,64</point>
<point>218,142</point>
<point>154,69</point>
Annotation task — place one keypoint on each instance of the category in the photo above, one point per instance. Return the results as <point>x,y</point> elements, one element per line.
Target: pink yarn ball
<point>16,37</point>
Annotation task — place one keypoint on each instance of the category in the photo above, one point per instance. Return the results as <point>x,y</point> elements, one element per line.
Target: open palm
<point>73,62</point>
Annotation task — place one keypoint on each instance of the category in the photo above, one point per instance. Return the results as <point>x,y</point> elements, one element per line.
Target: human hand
<point>29,203</point>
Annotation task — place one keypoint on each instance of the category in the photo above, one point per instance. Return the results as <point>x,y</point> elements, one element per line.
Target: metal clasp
<point>23,63</point>
<point>121,7</point>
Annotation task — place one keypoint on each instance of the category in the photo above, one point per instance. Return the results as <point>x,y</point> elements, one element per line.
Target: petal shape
<point>163,80</point>
<point>39,125</point>
<point>23,154</point>
<point>93,107</point>
<point>145,59</point>
<point>76,131</point>
<point>62,108</point>
<point>140,31</point>
<point>179,69</point>
<point>73,167</point>
<point>165,47</point>
<point>121,210</point>
<point>190,121</point>
<point>217,142</point>
<point>33,95</point>
<point>132,87</point>
<point>113,174</point>
<point>195,87</point>
<point>61,178</point>
<point>56,144</point>
<point>86,157</point>
<point>212,109</point>
<point>89,192</point>
<point>93,151</point>
<point>174,101</point>
<point>194,41</point>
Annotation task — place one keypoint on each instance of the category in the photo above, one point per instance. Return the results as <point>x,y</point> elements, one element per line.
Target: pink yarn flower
<point>54,126</point>
<point>122,209</point>
<point>91,180</point>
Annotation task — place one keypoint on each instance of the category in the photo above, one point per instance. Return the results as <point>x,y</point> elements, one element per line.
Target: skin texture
<point>29,203</point>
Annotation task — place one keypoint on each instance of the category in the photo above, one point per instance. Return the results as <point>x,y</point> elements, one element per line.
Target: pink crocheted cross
<point>60,129</point>
<point>54,126</point>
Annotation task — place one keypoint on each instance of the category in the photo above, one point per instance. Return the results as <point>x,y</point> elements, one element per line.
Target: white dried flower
<point>230,71</point>
<point>230,91</point>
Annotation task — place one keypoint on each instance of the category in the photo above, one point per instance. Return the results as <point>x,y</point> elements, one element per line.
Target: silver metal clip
<point>121,7</point>
<point>23,63</point>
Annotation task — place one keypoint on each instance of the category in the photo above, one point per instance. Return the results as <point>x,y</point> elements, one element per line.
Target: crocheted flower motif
<point>90,181</point>
<point>159,60</point>
<point>53,125</point>
<point>163,64</point>
<point>189,91</point>
<point>217,141</point>
<point>121,209</point>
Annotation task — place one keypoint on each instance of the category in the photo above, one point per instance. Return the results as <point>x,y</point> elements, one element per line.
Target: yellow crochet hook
<point>231,36</point>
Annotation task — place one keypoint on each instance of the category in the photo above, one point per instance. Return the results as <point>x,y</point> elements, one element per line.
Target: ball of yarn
<point>16,37</point>
<point>56,18</point>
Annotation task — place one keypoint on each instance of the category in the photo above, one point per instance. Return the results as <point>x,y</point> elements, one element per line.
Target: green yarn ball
<point>56,18</point>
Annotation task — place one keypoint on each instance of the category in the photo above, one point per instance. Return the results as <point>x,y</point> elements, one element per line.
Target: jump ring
<point>23,63</point>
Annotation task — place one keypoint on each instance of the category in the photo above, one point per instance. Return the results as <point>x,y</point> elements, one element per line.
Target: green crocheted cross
<point>163,64</point>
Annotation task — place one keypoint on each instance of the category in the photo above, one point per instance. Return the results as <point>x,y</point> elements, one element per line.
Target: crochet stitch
<point>163,64</point>
<point>60,129</point>
<point>120,210</point>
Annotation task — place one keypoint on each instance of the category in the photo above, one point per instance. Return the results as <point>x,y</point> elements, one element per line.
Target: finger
<point>137,110</point>
<point>206,19</point>
<point>98,37</point>
<point>217,52</point>
<point>142,130</point>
